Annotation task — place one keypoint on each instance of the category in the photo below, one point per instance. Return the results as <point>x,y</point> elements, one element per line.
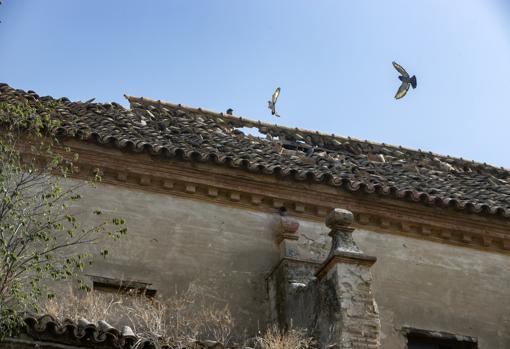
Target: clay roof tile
<point>197,134</point>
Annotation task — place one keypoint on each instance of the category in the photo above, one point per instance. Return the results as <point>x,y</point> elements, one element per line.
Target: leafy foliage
<point>41,238</point>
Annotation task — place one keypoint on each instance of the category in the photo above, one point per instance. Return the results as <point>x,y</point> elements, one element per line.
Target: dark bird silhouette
<point>272,102</point>
<point>230,111</point>
<point>406,81</point>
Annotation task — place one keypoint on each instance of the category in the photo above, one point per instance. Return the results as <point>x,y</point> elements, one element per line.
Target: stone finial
<point>339,219</point>
<point>343,247</point>
<point>288,229</point>
<point>289,226</point>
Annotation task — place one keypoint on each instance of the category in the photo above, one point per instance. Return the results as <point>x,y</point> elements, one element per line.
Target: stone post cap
<point>339,218</point>
<point>287,229</point>
<point>289,226</point>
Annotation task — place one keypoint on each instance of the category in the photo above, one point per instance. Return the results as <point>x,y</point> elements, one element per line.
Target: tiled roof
<point>175,131</point>
<point>79,333</point>
<point>83,333</point>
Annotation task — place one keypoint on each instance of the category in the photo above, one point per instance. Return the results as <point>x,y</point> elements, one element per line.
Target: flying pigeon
<point>406,81</point>
<point>272,102</point>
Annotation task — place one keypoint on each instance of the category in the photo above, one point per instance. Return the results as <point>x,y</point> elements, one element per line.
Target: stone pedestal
<point>332,300</point>
<point>291,298</point>
<point>348,315</point>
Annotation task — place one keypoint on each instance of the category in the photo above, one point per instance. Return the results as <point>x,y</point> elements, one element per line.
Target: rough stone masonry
<point>334,298</point>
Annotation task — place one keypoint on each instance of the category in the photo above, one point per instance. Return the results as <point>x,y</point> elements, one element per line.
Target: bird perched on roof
<point>406,81</point>
<point>272,102</point>
<point>230,111</point>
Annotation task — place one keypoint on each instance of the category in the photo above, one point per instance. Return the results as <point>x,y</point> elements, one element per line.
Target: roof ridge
<point>258,123</point>
<point>195,134</point>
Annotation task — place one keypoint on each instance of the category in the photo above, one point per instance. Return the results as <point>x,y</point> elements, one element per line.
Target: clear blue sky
<point>331,58</point>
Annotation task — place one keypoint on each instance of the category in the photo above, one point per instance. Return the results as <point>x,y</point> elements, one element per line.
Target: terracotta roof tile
<point>192,134</point>
<point>85,334</point>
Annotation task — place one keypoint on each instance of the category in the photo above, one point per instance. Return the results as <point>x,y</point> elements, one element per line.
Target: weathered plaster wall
<point>174,241</point>
<point>432,286</point>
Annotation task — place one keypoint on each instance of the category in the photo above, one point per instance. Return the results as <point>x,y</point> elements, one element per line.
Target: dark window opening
<point>438,341</point>
<point>122,286</point>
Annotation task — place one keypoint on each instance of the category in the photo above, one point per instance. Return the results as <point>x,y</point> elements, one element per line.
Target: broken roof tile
<point>169,130</point>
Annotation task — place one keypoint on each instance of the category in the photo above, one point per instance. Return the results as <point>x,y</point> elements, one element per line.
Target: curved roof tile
<point>169,130</point>
<point>83,333</point>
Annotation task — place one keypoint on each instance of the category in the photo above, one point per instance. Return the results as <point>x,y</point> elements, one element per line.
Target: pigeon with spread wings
<point>272,102</point>
<point>406,81</point>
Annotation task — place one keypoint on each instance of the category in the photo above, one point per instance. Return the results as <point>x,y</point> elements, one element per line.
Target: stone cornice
<point>345,258</point>
<point>310,201</point>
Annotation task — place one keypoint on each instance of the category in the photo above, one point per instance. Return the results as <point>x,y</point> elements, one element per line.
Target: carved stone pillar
<point>348,315</point>
<point>291,298</point>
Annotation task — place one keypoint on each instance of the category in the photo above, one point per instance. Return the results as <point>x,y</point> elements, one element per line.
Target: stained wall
<point>228,252</point>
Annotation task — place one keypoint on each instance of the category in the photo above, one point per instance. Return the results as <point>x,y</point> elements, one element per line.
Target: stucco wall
<point>433,286</point>
<point>174,241</point>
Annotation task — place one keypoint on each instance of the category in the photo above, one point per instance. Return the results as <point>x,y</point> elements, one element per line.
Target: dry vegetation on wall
<point>275,338</point>
<point>179,321</point>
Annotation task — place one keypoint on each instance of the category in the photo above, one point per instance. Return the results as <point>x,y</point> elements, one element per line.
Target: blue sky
<point>331,58</point>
